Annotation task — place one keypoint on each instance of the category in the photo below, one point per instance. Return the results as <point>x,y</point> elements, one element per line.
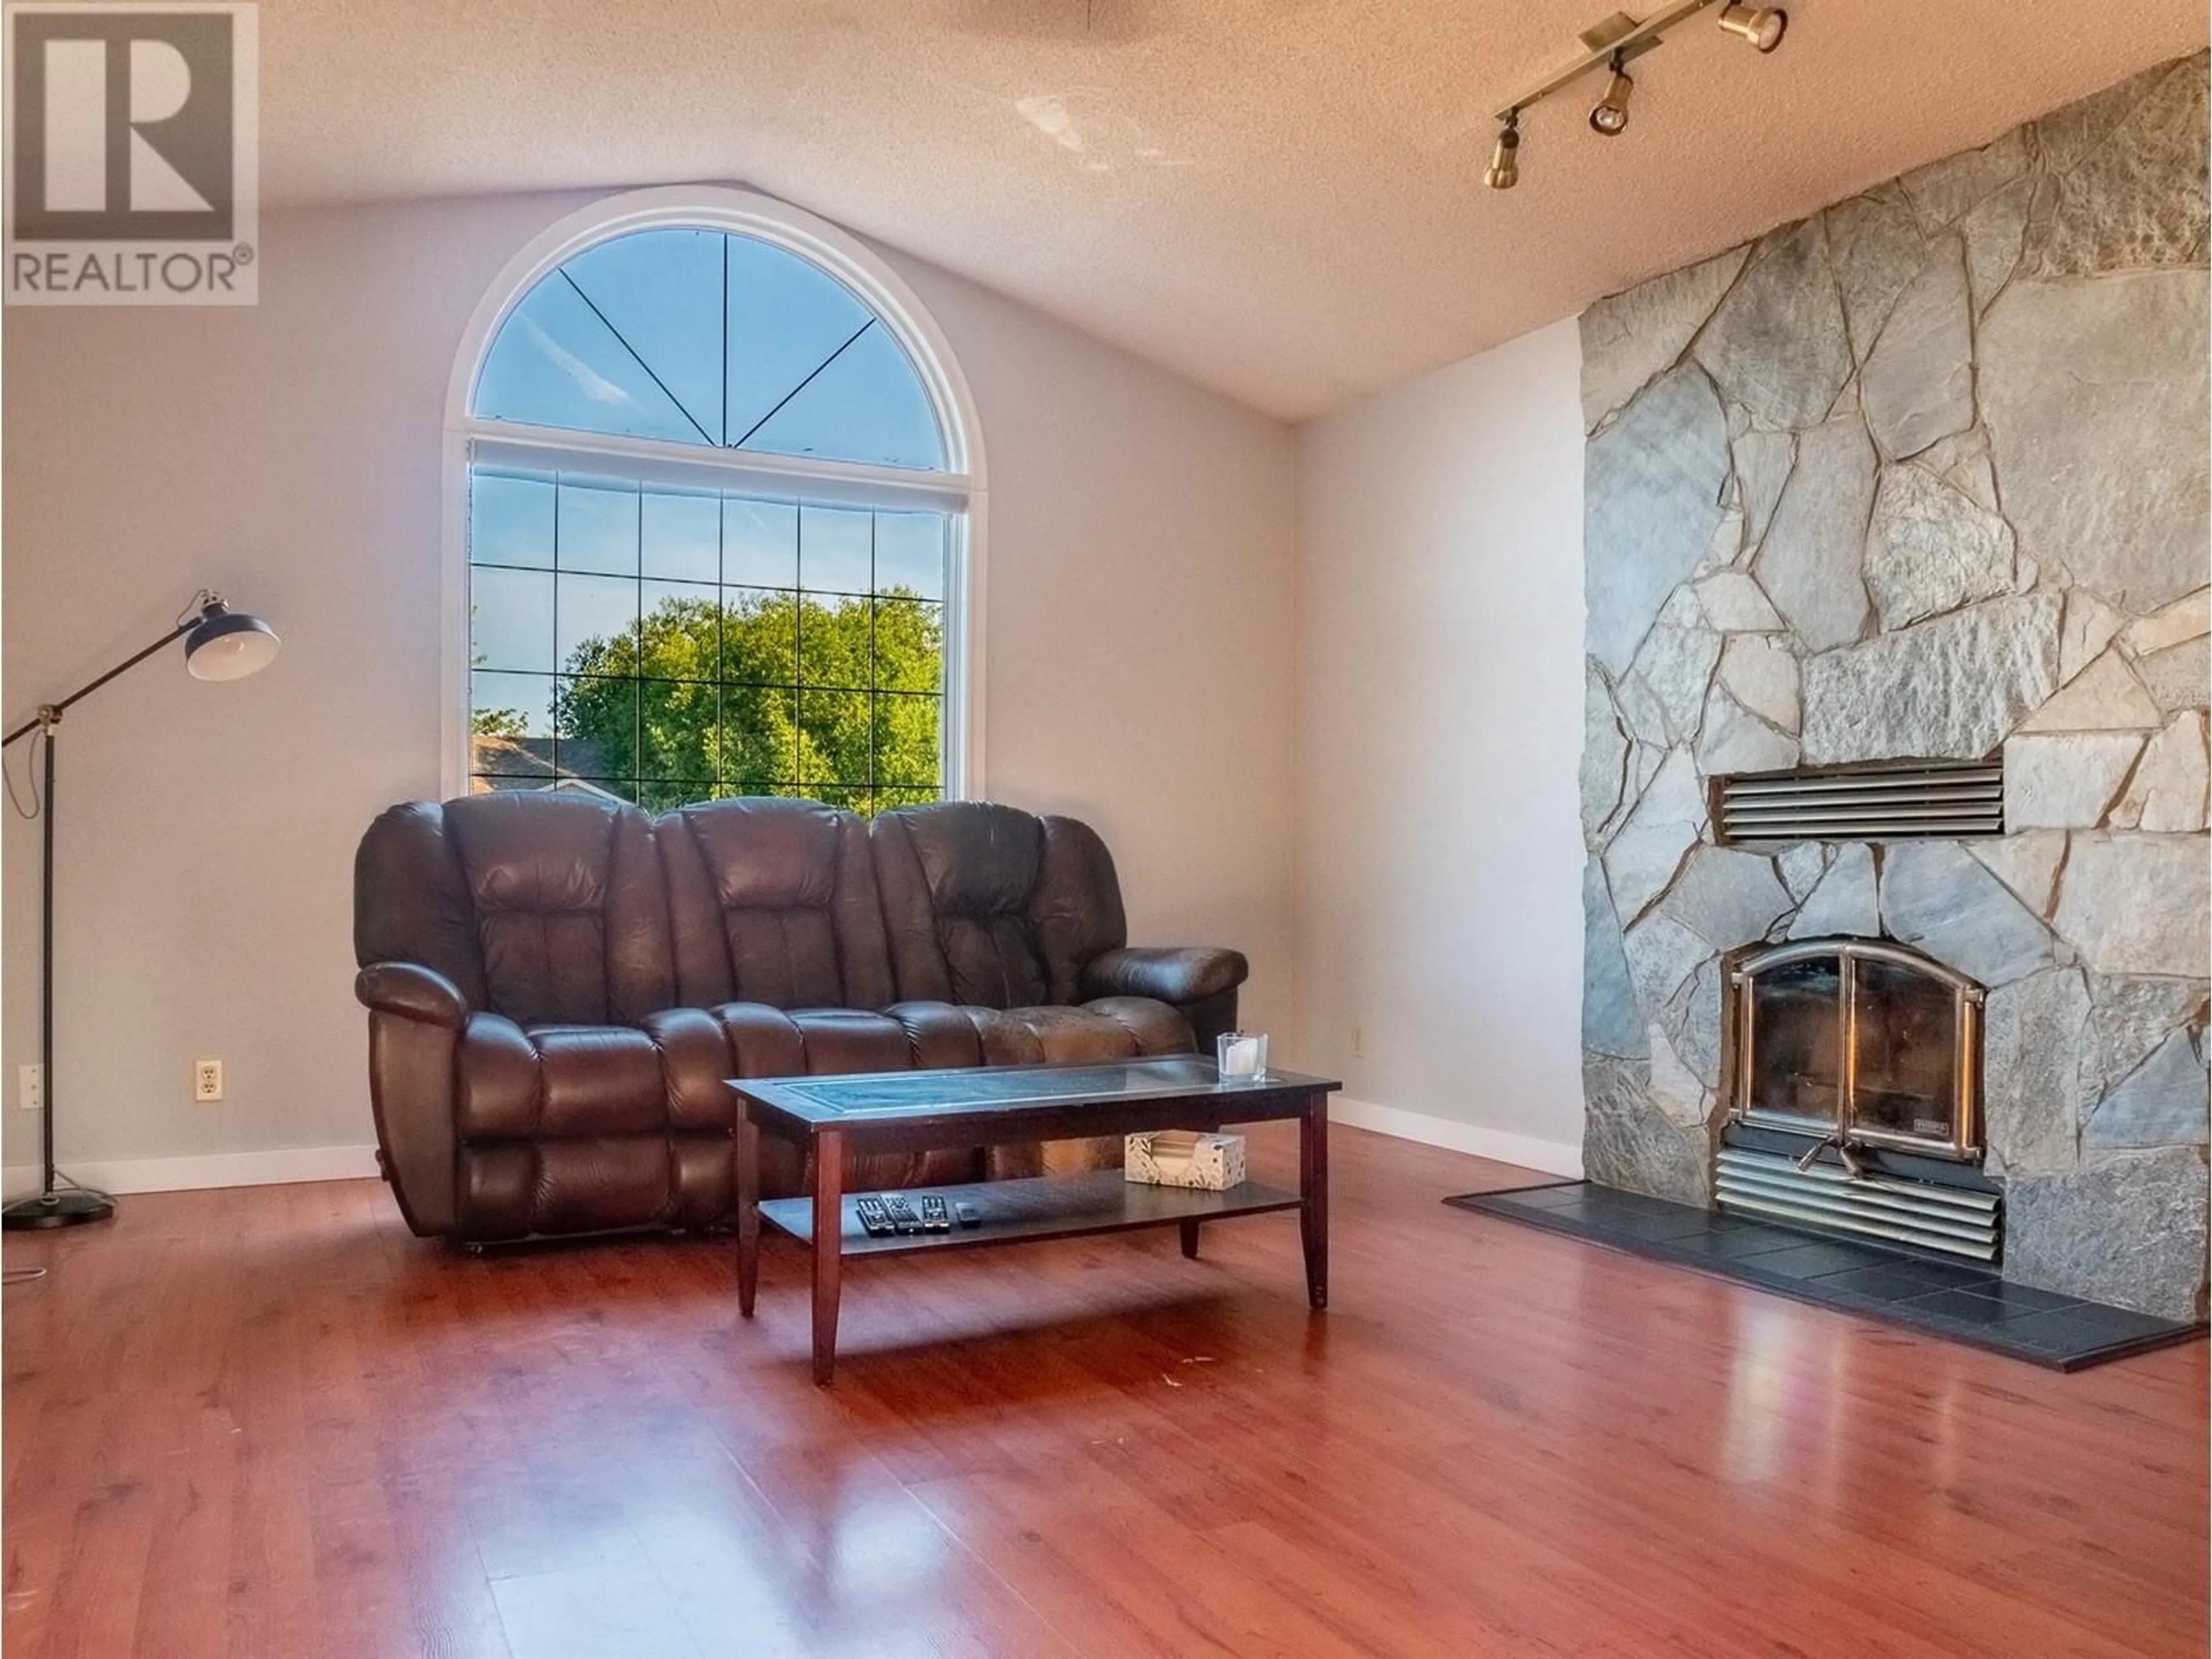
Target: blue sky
<point>698,337</point>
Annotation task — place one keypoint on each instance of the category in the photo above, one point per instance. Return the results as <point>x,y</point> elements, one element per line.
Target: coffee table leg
<point>1189,1239</point>
<point>746,1153</point>
<point>1313,1188</point>
<point>829,1245</point>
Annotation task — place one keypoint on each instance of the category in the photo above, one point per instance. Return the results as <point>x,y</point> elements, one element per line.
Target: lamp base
<point>69,1208</point>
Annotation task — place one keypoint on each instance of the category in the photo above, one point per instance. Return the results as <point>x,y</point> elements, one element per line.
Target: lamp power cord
<point>31,767</point>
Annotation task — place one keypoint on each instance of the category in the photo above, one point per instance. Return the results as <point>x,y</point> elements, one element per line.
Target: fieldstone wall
<point>1925,475</point>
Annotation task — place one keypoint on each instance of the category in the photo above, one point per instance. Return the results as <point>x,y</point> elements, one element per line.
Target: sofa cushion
<point>597,1080</point>
<point>571,915</point>
<point>410,902</point>
<point>938,1037</point>
<point>1076,910</point>
<point>1112,1028</point>
<point>991,907</point>
<point>773,902</point>
<point>695,1068</point>
<point>956,880</point>
<point>768,1042</point>
<point>558,1081</point>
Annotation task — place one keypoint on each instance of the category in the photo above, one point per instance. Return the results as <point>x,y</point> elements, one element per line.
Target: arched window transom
<point>706,337</point>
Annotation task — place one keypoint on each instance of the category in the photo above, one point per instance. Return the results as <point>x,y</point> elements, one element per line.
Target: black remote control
<point>874,1217</point>
<point>935,1217</point>
<point>969,1216</point>
<point>903,1220</point>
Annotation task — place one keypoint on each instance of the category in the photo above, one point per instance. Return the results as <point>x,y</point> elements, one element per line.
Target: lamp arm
<point>52,711</point>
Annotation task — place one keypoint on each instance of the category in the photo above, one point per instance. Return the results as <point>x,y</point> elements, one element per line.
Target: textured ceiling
<point>1279,198</point>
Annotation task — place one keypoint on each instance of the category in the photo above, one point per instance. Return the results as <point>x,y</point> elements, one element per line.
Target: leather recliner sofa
<point>559,987</point>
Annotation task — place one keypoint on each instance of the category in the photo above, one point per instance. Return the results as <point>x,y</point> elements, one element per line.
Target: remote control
<point>874,1217</point>
<point>903,1220</point>
<point>935,1218</point>
<point>969,1216</point>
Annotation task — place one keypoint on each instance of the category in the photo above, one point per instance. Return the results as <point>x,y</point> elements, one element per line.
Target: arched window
<point>719,489</point>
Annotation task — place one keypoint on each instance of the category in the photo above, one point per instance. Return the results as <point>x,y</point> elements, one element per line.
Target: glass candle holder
<point>1240,1056</point>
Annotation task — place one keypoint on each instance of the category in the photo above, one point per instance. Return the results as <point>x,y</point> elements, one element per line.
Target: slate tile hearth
<point>1961,1302</point>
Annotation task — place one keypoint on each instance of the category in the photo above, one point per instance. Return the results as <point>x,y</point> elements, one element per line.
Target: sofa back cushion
<point>409,902</point>
<point>773,902</point>
<point>571,917</point>
<point>992,907</point>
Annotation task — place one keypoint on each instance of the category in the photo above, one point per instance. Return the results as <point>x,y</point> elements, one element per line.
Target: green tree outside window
<point>834,697</point>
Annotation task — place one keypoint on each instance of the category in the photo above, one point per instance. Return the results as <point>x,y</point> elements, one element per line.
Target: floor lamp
<point>220,644</point>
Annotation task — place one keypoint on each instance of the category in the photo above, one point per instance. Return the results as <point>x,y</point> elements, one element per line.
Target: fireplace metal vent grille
<point>1951,1220</point>
<point>1897,800</point>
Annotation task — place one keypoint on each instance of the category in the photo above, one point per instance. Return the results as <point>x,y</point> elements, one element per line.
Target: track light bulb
<point>1611,115</point>
<point>1763,25</point>
<point>1504,170</point>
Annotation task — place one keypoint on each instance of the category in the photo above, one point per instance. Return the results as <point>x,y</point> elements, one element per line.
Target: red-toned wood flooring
<point>268,1422</point>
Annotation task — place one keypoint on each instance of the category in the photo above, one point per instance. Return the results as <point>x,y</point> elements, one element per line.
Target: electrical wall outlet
<point>31,1088</point>
<point>1360,1043</point>
<point>207,1079</point>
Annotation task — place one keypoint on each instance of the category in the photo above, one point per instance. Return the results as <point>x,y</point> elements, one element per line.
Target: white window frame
<point>958,489</point>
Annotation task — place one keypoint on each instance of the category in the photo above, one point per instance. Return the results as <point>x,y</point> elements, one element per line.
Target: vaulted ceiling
<point>1278,199</point>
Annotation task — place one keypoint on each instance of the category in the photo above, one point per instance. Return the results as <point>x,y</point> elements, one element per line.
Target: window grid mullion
<point>874,677</point>
<point>637,649</point>
<point>722,428</point>
<point>722,561</point>
<point>866,791</point>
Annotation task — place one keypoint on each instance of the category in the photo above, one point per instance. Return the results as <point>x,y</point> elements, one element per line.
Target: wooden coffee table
<point>836,1117</point>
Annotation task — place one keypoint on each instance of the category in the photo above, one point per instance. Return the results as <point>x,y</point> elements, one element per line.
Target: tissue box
<point>1183,1158</point>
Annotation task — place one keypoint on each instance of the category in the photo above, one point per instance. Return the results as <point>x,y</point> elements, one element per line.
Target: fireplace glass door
<point>1797,1064</point>
<point>1858,1039</point>
<point>1907,1050</point>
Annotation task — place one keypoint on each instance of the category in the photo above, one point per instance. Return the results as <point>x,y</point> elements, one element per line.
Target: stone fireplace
<point>1921,477</point>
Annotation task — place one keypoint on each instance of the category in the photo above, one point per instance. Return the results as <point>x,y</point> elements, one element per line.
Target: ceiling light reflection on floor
<point>1759,1419</point>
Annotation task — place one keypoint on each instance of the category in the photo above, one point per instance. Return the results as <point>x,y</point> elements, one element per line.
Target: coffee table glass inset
<point>836,1117</point>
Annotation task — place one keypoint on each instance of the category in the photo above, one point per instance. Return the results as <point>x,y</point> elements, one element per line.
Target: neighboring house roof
<point>501,763</point>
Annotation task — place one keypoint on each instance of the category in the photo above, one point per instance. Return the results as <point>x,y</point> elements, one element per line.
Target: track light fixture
<point>1763,25</point>
<point>1610,117</point>
<point>1504,170</point>
<point>1611,45</point>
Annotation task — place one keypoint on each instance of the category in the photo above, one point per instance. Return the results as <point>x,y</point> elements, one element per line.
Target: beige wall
<point>1140,602</point>
<point>1439,726</point>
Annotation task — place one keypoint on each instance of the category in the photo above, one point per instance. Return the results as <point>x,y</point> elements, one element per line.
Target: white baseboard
<point>1550,1156</point>
<point>171,1174</point>
<point>174,1175</point>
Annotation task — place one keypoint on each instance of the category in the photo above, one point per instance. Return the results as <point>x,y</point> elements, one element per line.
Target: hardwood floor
<point>267,1422</point>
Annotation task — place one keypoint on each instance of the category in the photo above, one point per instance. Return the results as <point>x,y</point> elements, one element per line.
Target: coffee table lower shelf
<point>1039,1208</point>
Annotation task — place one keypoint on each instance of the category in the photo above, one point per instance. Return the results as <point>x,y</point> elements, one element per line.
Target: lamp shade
<point>228,645</point>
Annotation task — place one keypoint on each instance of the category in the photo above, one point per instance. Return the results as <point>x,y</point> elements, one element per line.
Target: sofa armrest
<point>1178,974</point>
<point>415,1024</point>
<point>412,992</point>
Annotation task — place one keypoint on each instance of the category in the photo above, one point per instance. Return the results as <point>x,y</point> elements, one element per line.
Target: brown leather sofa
<point>559,987</point>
